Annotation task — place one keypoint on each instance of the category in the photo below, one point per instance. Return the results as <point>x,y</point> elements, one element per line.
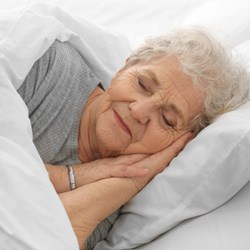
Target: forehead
<point>165,70</point>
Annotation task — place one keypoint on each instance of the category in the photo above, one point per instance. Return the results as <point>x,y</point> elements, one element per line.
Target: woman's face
<point>146,108</point>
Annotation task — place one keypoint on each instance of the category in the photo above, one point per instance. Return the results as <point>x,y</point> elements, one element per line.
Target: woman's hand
<point>125,166</point>
<point>136,165</point>
<point>90,204</point>
<point>157,162</point>
<point>121,166</point>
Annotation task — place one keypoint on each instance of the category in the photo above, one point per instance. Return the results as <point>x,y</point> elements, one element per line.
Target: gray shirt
<point>55,92</point>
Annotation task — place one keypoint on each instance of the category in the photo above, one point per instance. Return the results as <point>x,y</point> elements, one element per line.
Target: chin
<point>111,140</point>
<point>106,152</point>
<point>110,146</point>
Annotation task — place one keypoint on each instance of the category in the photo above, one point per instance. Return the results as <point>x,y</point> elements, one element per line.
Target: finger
<point>157,162</point>
<point>128,171</point>
<point>175,148</point>
<point>164,157</point>
<point>132,171</point>
<point>161,160</point>
<point>130,159</point>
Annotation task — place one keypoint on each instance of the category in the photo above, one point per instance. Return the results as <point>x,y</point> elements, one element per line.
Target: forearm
<point>90,204</point>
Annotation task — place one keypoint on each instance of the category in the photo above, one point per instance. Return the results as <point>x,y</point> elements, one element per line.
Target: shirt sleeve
<point>55,92</point>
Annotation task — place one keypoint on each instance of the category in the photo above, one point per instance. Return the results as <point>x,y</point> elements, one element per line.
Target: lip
<point>121,123</point>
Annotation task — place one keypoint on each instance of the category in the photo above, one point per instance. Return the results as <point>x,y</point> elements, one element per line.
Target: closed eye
<point>141,84</point>
<point>168,121</point>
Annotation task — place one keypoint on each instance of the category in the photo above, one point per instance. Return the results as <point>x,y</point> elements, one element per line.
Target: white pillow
<point>226,226</point>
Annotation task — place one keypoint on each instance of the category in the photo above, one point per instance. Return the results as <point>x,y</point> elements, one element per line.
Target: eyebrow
<point>153,76</point>
<point>172,106</point>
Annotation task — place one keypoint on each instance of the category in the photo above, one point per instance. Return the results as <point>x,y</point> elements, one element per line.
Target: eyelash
<point>141,84</point>
<point>167,122</point>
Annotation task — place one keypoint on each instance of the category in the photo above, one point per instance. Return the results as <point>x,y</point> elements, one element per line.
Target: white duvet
<point>32,216</point>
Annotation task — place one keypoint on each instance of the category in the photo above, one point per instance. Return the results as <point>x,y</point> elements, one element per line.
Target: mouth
<point>121,123</point>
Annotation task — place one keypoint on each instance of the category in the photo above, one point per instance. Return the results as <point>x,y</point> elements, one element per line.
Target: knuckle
<point>130,157</point>
<point>124,169</point>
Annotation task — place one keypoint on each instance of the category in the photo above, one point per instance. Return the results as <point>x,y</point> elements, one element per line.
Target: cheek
<point>120,90</point>
<point>156,140</point>
<point>152,141</point>
<point>104,104</point>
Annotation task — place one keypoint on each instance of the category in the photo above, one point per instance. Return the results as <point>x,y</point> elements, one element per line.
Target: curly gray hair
<point>209,64</point>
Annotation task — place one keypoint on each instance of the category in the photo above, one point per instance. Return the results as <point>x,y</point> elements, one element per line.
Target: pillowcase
<point>226,227</point>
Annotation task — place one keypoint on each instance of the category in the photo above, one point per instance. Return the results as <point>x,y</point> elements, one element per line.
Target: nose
<point>141,110</point>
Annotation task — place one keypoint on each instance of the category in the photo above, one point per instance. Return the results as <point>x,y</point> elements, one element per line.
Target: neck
<point>86,139</point>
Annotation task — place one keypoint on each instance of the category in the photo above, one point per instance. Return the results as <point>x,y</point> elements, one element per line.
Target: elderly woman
<point>101,146</point>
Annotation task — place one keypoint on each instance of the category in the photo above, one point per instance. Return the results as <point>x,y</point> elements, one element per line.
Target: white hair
<point>210,65</point>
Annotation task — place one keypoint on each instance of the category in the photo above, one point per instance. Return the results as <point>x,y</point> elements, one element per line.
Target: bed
<point>201,201</point>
